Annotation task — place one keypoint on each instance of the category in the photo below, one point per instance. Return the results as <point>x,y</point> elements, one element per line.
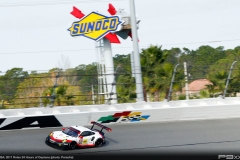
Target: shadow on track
<point>167,146</point>
<point>77,148</point>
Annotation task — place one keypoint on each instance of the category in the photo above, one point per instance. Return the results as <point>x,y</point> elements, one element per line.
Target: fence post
<point>2,104</point>
<point>229,75</point>
<point>172,81</point>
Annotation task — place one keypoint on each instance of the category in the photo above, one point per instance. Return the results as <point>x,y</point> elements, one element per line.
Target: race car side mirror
<point>63,129</point>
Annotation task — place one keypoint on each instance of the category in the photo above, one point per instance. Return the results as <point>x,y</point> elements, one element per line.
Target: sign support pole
<point>111,88</point>
<point>138,72</point>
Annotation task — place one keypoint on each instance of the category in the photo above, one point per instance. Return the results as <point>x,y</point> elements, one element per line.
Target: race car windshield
<point>71,132</point>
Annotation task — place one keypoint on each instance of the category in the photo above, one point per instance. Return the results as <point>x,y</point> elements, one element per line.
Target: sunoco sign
<point>95,26</point>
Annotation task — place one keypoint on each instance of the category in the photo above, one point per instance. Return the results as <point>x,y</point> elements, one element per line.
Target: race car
<point>78,136</point>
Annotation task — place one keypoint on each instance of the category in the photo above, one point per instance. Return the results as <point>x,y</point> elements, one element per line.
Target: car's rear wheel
<point>47,141</point>
<point>99,143</point>
<point>72,145</point>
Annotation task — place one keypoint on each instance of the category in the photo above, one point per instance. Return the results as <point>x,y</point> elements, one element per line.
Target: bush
<point>204,94</point>
<point>182,97</point>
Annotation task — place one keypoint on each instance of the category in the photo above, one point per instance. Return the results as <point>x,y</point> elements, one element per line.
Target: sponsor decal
<point>95,26</point>
<point>27,122</point>
<point>126,116</point>
<point>80,141</point>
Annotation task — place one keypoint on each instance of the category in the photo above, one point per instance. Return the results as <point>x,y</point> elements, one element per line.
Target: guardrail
<point>211,108</point>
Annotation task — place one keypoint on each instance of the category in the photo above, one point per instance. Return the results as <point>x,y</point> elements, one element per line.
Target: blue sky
<point>34,36</point>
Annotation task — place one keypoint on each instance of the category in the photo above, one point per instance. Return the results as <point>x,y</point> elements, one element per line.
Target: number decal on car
<point>85,141</point>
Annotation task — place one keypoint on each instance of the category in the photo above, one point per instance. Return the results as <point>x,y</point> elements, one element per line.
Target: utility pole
<point>138,72</point>
<point>186,80</point>
<point>40,100</point>
<point>53,96</point>
<point>93,99</point>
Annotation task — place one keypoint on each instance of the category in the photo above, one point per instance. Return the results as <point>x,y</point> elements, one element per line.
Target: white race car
<point>78,136</point>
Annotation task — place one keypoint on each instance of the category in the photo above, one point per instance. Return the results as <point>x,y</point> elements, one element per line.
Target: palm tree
<point>126,89</point>
<point>156,73</point>
<point>218,80</point>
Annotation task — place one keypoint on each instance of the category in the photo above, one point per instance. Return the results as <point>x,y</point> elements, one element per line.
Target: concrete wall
<point>120,113</point>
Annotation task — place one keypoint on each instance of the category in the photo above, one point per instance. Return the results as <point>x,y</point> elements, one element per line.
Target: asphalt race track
<point>203,136</point>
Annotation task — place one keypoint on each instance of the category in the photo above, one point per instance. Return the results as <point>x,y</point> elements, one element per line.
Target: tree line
<point>76,86</point>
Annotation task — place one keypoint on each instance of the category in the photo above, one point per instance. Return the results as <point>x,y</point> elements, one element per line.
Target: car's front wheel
<point>47,140</point>
<point>99,143</point>
<point>72,145</point>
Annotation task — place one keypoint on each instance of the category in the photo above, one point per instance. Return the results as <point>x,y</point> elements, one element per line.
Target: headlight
<point>51,134</point>
<point>64,140</point>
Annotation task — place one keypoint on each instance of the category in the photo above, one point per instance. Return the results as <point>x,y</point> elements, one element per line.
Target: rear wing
<point>100,125</point>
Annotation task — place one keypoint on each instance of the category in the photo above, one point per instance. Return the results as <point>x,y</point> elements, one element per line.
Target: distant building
<point>195,86</point>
